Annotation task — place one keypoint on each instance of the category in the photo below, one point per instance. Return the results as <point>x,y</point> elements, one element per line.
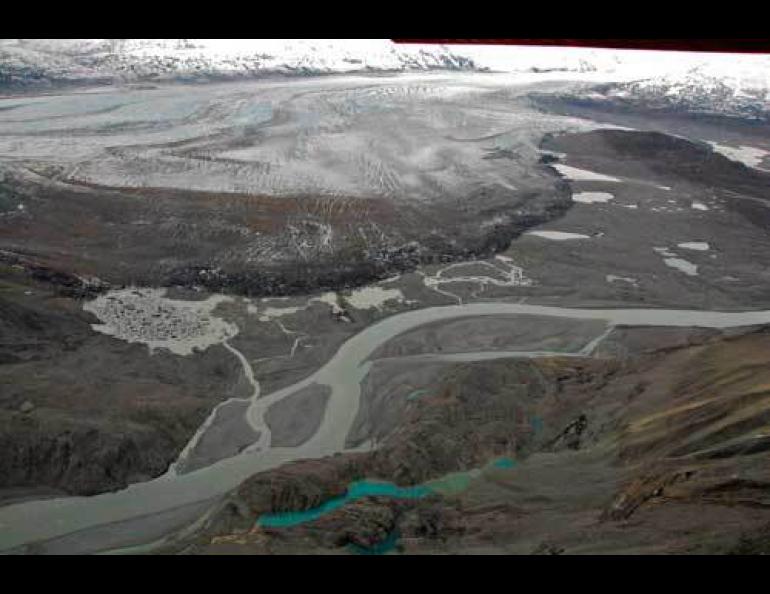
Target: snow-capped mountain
<point>26,62</point>
<point>39,61</point>
<point>736,86</point>
<point>715,83</point>
<point>36,62</point>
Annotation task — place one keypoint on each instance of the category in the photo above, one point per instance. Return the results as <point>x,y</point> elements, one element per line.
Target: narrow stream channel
<point>88,520</point>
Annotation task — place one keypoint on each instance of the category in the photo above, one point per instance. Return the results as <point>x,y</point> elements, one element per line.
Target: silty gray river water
<point>135,515</point>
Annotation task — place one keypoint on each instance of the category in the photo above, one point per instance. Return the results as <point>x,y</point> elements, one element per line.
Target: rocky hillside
<point>82,413</point>
<point>663,435</point>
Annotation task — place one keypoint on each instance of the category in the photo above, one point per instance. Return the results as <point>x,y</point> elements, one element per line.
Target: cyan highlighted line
<point>380,548</point>
<point>355,491</point>
<point>449,484</point>
<point>416,394</point>
<point>504,463</point>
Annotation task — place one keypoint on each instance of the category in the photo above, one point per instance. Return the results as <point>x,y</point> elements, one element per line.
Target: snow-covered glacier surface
<point>405,135</point>
<point>25,61</point>
<point>38,61</point>
<point>715,83</point>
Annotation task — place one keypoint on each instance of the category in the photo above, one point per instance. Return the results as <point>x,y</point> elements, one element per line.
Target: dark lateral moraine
<point>663,158</point>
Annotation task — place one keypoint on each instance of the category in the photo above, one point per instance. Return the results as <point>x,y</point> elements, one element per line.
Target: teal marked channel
<point>369,488</point>
<point>355,491</point>
<point>504,463</point>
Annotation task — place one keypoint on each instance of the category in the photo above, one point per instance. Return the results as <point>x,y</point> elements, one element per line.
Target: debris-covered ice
<point>146,315</point>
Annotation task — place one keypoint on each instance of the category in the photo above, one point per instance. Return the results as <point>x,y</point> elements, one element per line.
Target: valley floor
<point>589,380</point>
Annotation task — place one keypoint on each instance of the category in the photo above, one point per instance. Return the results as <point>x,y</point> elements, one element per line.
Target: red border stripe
<point>690,45</point>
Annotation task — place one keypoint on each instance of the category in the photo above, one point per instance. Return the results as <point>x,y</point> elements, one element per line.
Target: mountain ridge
<point>727,84</point>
